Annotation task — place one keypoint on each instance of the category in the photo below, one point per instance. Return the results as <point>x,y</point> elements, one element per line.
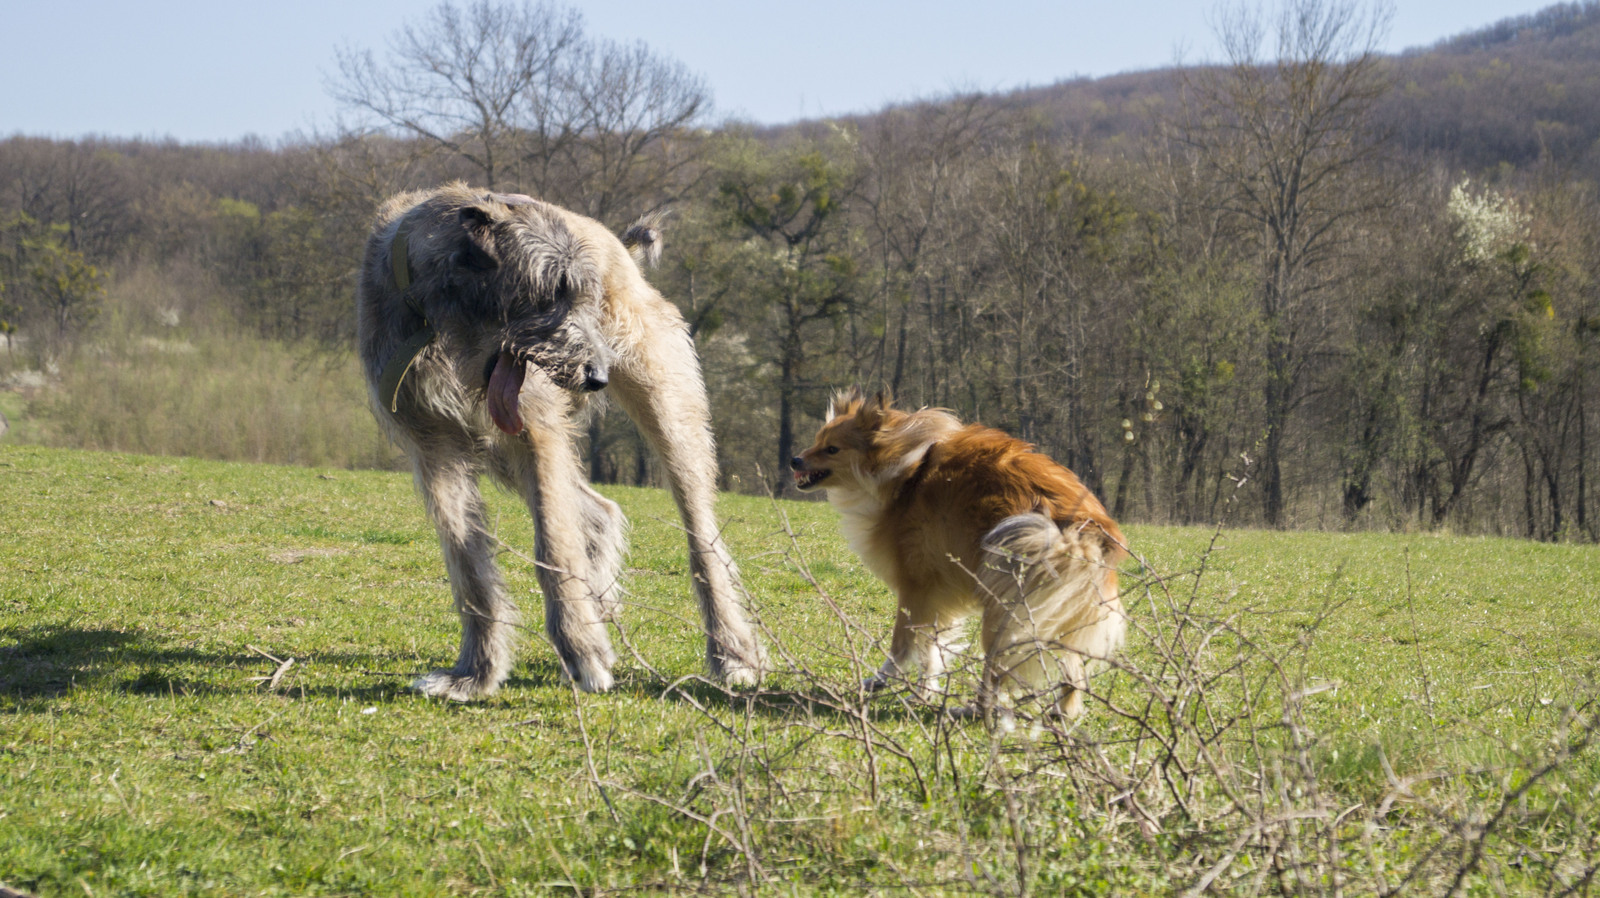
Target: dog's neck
<point>873,491</point>
<point>399,364</point>
<point>907,443</point>
<point>863,502</point>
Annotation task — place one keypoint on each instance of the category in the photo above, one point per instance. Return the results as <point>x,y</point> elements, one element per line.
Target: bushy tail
<point>1051,606</point>
<point>643,239</point>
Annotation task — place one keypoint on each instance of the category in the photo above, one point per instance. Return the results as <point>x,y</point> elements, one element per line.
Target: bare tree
<point>468,79</point>
<point>83,186</point>
<point>614,133</point>
<point>919,167</point>
<point>1285,130</point>
<point>520,94</point>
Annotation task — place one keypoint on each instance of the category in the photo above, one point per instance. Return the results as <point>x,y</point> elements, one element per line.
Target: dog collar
<point>394,373</point>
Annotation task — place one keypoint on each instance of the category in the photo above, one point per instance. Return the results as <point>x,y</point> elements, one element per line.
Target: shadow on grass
<point>390,684</point>
<point>47,662</point>
<point>813,699</point>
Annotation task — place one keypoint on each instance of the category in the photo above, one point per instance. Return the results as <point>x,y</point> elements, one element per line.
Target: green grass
<point>141,754</point>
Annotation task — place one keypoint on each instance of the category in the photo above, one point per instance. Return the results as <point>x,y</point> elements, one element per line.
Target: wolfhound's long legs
<point>447,477</point>
<point>606,531</point>
<point>658,385</point>
<point>542,465</point>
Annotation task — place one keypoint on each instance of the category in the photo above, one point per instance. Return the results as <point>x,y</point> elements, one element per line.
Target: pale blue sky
<point>220,71</point>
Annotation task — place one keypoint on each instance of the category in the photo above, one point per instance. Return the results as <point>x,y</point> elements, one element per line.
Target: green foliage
<point>240,212</point>
<point>786,196</point>
<point>53,289</point>
<point>1361,338</point>
<point>1099,219</point>
<point>69,289</point>
<point>284,265</point>
<point>798,269</point>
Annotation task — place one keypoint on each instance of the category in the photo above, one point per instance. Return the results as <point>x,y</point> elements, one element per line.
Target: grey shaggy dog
<point>484,320</point>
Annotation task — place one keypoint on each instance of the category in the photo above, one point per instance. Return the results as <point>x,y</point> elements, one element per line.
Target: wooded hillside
<point>1312,286</point>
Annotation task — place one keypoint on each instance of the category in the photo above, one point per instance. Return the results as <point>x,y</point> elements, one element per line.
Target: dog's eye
<point>832,450</point>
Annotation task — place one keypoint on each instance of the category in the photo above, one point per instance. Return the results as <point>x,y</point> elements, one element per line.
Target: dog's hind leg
<point>1050,606</point>
<point>1074,685</point>
<point>447,477</point>
<point>605,532</point>
<point>658,384</point>
<point>571,523</point>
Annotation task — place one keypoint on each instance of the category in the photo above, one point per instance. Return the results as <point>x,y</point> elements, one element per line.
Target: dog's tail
<point>1051,606</point>
<point>643,239</point>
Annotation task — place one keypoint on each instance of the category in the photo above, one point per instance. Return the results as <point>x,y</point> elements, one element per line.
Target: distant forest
<point>1309,285</point>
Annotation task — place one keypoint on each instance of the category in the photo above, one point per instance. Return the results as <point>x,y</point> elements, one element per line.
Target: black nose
<point>594,380</point>
<point>797,463</point>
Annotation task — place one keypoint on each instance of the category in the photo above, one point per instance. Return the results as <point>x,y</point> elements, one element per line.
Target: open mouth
<point>805,480</point>
<point>506,372</point>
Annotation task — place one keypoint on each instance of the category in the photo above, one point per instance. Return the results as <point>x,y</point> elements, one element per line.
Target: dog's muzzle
<point>803,478</point>
<point>505,374</point>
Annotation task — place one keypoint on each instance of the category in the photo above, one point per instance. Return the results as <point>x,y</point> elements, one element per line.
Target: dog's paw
<point>1003,719</point>
<point>594,679</point>
<point>968,711</point>
<point>742,668</point>
<point>1070,706</point>
<point>741,677</point>
<point>453,686</point>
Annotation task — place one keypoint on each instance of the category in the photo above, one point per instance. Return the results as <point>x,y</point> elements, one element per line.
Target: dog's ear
<point>844,402</point>
<point>477,250</point>
<point>873,411</point>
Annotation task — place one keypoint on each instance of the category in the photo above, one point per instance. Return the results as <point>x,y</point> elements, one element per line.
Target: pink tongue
<point>505,386</point>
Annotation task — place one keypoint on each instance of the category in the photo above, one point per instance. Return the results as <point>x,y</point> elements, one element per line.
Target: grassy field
<point>1298,714</point>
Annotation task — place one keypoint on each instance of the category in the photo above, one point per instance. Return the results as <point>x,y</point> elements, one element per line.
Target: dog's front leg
<point>917,652</point>
<point>448,481</point>
<point>660,388</point>
<point>543,465</point>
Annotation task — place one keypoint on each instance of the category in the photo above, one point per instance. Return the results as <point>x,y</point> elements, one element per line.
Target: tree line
<point>1265,307</point>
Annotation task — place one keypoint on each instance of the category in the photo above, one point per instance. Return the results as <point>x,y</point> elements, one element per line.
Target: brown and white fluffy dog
<point>962,519</point>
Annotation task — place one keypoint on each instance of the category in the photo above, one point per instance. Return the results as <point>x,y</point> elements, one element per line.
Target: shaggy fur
<point>530,307</point>
<point>963,519</point>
